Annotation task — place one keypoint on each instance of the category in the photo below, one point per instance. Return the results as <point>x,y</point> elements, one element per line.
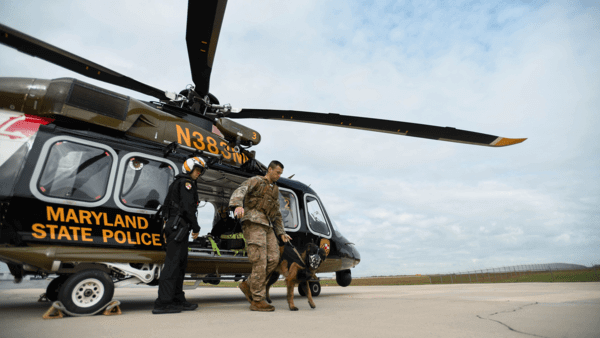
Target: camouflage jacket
<point>260,201</point>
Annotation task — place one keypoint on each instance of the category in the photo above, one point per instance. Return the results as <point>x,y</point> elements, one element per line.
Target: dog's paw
<point>293,308</point>
<point>268,300</point>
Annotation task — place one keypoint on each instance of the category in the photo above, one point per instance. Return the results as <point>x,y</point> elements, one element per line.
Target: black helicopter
<point>84,170</point>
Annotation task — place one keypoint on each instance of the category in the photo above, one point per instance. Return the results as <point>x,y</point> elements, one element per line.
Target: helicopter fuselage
<point>74,193</point>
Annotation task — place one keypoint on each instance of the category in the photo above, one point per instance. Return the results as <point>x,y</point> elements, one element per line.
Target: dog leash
<point>281,242</point>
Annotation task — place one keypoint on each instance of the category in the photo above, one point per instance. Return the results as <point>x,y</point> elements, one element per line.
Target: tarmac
<point>455,310</point>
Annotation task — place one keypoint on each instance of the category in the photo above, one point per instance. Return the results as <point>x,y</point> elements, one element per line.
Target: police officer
<point>180,207</point>
<point>256,201</point>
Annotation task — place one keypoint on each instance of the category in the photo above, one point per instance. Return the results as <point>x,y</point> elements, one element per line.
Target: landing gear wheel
<point>54,286</point>
<point>86,291</point>
<point>302,289</point>
<point>315,288</point>
<point>344,277</point>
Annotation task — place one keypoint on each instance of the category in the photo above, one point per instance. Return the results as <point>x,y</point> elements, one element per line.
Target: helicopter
<point>84,170</point>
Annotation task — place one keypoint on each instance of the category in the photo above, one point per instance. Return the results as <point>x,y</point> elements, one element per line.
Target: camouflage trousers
<point>263,253</point>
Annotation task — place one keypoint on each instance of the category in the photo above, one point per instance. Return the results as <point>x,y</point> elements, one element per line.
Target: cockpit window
<point>146,183</point>
<point>75,171</point>
<point>316,217</point>
<point>289,209</point>
<point>11,165</point>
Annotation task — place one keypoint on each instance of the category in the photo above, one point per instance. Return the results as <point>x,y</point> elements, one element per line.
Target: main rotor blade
<point>385,126</point>
<point>203,28</point>
<point>37,48</point>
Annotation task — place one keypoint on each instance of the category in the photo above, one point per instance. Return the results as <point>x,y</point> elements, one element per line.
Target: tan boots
<point>254,306</point>
<point>246,290</point>
<point>261,306</point>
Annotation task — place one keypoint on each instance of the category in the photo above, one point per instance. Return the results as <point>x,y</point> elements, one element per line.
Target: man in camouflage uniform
<point>256,201</point>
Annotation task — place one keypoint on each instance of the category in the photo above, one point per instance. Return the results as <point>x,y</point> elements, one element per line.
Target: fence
<point>516,272</point>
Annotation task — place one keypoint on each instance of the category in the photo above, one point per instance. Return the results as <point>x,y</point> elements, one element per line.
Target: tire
<point>302,289</point>
<point>343,278</point>
<point>54,287</point>
<point>87,291</point>
<point>315,288</point>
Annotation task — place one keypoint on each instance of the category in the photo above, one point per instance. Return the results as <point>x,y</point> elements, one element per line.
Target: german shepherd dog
<point>297,268</point>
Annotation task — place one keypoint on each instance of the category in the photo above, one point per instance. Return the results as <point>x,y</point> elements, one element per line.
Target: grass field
<point>559,276</point>
<point>588,275</point>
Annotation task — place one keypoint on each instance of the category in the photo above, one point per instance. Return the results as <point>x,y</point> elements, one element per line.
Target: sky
<point>514,69</point>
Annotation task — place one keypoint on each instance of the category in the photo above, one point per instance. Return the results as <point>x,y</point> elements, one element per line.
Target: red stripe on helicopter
<point>22,125</point>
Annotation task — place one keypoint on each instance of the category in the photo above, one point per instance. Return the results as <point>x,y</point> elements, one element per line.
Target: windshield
<point>17,133</point>
<point>316,217</point>
<point>11,168</point>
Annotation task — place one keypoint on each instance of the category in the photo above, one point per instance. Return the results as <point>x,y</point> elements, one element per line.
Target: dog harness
<point>291,255</point>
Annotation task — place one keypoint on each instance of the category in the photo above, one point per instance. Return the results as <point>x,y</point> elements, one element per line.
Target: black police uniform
<point>180,205</point>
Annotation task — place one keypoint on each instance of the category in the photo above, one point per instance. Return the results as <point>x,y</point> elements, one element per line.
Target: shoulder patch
<point>188,185</point>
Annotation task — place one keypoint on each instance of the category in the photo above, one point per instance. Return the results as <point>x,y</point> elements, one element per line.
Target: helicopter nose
<point>355,256</point>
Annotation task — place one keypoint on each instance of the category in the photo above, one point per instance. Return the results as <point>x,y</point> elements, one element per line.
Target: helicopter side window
<point>289,209</point>
<point>146,183</point>
<point>316,217</point>
<point>75,171</point>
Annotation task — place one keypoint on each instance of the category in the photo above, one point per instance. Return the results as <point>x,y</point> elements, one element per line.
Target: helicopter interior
<point>215,189</point>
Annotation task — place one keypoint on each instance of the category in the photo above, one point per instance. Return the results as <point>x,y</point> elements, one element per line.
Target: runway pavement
<point>459,310</point>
